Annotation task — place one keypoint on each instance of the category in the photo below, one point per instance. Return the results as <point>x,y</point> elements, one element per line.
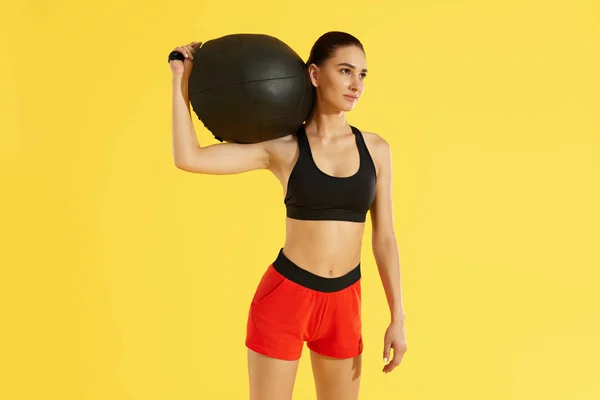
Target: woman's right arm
<point>217,159</point>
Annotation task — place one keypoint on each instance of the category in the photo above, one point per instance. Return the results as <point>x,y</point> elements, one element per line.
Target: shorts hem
<point>338,352</point>
<point>280,355</point>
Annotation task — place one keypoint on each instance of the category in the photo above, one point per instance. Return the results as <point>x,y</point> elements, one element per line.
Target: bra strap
<point>301,136</point>
<point>361,141</point>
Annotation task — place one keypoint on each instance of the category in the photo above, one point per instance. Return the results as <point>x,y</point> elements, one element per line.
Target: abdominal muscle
<point>325,248</point>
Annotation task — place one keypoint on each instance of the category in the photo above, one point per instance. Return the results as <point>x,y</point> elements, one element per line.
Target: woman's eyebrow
<point>351,66</point>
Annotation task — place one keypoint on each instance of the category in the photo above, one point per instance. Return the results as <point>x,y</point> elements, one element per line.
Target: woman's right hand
<point>184,67</point>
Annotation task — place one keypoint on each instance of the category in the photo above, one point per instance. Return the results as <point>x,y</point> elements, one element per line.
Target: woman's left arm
<point>387,256</point>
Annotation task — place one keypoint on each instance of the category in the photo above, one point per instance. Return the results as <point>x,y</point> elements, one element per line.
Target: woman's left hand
<point>395,338</point>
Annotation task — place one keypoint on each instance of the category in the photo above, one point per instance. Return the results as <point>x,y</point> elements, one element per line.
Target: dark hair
<point>328,43</point>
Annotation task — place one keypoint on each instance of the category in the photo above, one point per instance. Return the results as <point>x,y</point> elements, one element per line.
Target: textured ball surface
<point>249,88</point>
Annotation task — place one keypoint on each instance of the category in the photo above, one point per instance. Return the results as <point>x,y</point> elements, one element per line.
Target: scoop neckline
<point>312,159</point>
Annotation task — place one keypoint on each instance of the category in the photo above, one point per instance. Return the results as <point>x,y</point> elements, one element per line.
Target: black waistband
<point>291,271</point>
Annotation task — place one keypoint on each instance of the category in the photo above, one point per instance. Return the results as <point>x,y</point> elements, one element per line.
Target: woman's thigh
<point>336,379</point>
<point>271,378</point>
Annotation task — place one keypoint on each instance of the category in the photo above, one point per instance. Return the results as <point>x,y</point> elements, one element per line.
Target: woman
<point>331,174</point>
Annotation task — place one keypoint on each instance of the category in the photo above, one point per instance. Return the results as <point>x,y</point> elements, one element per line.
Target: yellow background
<point>126,278</point>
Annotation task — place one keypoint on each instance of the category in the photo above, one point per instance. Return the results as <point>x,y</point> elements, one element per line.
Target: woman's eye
<point>347,70</point>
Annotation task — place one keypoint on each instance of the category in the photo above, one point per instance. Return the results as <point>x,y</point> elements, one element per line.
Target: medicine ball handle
<point>176,55</point>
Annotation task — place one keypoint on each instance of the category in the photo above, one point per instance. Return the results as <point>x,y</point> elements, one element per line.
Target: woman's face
<point>340,79</point>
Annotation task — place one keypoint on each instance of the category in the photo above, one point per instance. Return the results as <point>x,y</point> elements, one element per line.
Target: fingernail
<point>385,360</point>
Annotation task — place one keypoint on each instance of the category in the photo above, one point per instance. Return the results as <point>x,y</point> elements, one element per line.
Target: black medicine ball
<point>250,88</point>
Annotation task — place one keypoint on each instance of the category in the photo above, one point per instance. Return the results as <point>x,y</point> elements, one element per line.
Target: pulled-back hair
<point>328,43</point>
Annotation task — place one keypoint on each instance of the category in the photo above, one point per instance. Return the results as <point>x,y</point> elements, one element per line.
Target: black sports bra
<point>315,195</point>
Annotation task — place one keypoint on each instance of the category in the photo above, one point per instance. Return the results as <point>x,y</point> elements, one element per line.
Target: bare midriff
<point>325,248</point>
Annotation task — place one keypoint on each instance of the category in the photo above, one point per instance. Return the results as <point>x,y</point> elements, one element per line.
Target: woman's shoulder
<point>283,143</point>
<point>282,149</point>
<point>378,148</point>
<point>375,141</point>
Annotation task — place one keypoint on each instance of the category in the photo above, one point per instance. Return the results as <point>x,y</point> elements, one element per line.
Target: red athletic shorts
<point>292,305</point>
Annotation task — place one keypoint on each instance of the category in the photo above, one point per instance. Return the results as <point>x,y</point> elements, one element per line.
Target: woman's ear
<point>313,73</point>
